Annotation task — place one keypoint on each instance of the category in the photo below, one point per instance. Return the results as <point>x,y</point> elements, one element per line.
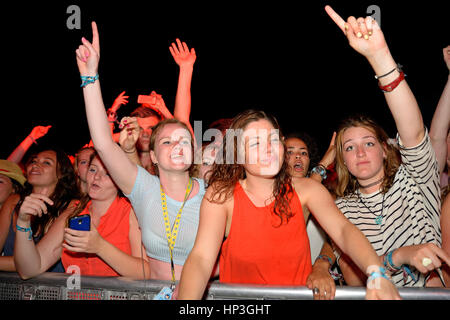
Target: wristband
<point>21,229</point>
<point>325,257</point>
<point>391,86</point>
<point>378,274</point>
<point>320,170</point>
<point>389,264</point>
<point>392,268</point>
<point>32,139</point>
<point>85,80</point>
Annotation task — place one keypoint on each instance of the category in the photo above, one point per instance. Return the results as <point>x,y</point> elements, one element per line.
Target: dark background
<point>287,58</point>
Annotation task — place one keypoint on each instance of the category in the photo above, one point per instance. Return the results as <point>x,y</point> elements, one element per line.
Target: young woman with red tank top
<point>253,203</point>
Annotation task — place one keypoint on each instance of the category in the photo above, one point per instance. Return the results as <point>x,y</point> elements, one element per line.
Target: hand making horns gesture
<point>363,34</point>
<point>88,54</point>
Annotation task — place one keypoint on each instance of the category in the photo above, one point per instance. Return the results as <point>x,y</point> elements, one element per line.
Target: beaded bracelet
<point>85,80</point>
<point>21,229</point>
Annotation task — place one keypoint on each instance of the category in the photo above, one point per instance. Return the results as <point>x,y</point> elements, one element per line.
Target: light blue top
<point>146,200</point>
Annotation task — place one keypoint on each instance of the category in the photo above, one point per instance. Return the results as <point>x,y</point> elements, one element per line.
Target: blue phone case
<point>81,223</point>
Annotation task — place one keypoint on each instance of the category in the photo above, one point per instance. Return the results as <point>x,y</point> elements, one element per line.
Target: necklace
<point>378,218</point>
<point>371,184</point>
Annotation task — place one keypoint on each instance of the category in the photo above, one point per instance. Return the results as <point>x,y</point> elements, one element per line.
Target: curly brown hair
<point>347,183</point>
<point>224,176</point>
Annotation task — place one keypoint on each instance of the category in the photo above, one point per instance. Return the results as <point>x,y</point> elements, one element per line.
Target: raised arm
<point>121,99</point>
<point>121,169</point>
<point>128,138</point>
<point>365,36</point>
<point>441,120</point>
<point>185,59</point>
<point>35,134</point>
<point>327,159</point>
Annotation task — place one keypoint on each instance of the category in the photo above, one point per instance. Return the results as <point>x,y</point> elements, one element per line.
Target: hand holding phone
<point>81,223</point>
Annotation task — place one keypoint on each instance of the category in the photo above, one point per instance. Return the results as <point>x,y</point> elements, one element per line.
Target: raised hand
<point>39,132</point>
<point>181,54</point>
<point>363,34</point>
<point>330,155</point>
<point>129,134</point>
<point>88,54</point>
<point>160,105</point>
<point>121,99</point>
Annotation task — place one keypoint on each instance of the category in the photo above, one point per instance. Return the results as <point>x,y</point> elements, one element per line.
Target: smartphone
<point>81,223</point>
<point>146,99</point>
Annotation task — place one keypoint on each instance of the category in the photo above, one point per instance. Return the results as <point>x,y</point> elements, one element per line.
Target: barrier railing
<point>60,286</point>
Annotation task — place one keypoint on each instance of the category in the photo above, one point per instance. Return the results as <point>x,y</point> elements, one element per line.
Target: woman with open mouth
<point>111,247</point>
<point>167,204</point>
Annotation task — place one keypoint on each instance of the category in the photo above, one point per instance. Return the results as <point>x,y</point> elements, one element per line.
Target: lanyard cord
<point>172,234</point>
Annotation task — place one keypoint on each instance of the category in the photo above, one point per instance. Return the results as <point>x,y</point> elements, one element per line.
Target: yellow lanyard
<point>172,234</point>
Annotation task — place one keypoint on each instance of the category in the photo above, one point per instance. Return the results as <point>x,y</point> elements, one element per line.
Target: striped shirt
<point>410,210</point>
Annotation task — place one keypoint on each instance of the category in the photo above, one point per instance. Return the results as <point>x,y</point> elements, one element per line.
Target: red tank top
<point>114,227</point>
<point>260,251</point>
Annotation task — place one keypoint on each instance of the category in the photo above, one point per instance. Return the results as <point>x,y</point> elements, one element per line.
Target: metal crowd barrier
<point>60,286</point>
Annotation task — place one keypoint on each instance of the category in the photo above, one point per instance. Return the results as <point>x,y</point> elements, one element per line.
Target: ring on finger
<point>316,290</point>
<point>426,262</point>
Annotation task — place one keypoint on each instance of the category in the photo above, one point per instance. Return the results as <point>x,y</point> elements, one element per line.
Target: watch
<point>320,170</point>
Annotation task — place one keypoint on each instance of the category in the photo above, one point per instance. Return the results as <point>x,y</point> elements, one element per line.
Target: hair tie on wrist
<point>398,67</point>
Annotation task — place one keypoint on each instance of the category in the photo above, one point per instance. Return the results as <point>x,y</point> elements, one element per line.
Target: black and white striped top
<point>411,212</point>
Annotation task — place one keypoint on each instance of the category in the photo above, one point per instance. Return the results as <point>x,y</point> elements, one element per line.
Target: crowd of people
<point>260,207</point>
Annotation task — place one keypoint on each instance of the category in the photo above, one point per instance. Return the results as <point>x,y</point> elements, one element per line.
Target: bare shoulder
<point>307,185</point>
<point>214,197</point>
<point>12,200</point>
<point>10,203</point>
<point>219,206</point>
<point>309,190</point>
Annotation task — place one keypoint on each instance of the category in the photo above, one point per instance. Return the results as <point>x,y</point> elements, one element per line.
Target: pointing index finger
<point>95,37</point>
<point>336,18</point>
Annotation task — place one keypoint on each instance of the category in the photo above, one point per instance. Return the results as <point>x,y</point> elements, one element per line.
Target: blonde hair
<point>347,183</point>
